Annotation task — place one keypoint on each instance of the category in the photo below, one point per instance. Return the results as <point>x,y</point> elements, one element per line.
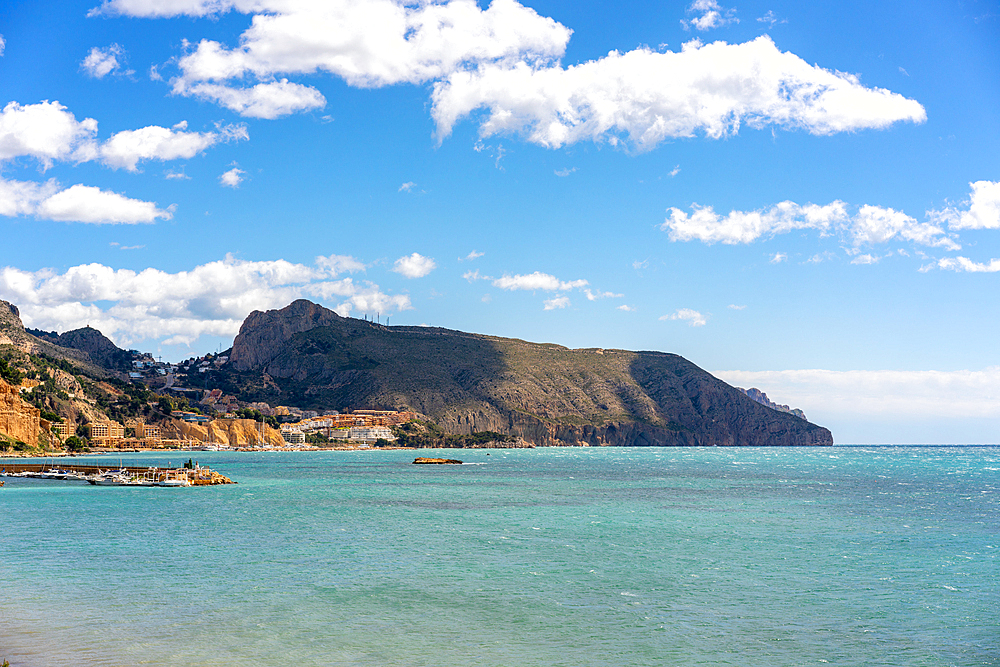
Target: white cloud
<point>870,225</point>
<point>406,187</point>
<point>627,309</point>
<point>733,306</point>
<point>866,259</point>
<point>644,97</point>
<point>594,296</point>
<point>232,178</point>
<point>692,317</point>
<point>914,394</point>
<point>557,302</point>
<point>705,225</point>
<point>965,264</point>
<point>101,62</point>
<point>49,132</point>
<point>564,172</point>
<point>212,298</point>
<point>474,255</point>
<point>414,266</point>
<point>980,211</point>
<point>85,203</point>
<point>713,15</point>
<point>337,264</point>
<point>771,19</point>
<point>473,276</point>
<point>46,132</point>
<point>536,281</point>
<point>676,170</point>
<point>368,44</point>
<point>3,45</point>
<point>78,203</point>
<point>778,258</point>
<point>126,149</point>
<point>875,224</point>
<point>265,100</point>
<point>505,59</point>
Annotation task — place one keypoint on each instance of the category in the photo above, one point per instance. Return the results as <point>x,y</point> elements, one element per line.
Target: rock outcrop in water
<point>308,356</point>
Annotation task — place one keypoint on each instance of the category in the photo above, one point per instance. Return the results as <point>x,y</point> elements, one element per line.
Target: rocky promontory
<point>546,394</point>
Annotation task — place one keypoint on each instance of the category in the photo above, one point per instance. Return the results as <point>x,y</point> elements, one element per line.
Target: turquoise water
<point>602,557</point>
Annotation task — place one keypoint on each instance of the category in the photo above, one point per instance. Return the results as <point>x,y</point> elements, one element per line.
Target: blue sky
<point>799,198</point>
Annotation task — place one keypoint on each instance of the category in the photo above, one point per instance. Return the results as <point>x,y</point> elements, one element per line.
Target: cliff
<point>761,397</point>
<point>547,394</point>
<point>232,432</point>
<point>18,420</point>
<point>262,334</point>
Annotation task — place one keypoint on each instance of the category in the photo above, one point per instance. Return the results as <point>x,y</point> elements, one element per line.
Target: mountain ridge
<point>547,394</point>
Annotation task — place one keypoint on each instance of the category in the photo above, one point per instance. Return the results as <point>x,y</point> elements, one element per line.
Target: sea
<point>558,556</point>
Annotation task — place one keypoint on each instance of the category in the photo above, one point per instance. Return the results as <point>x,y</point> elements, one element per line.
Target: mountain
<point>98,348</point>
<point>307,356</point>
<point>14,335</point>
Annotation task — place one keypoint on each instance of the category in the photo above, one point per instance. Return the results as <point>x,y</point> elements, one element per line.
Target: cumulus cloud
<point>536,281</point>
<point>505,59</point>
<point>627,309</point>
<point>594,295</point>
<point>406,187</point>
<point>368,44</point>
<point>557,302</point>
<point>265,100</point>
<point>126,149</point>
<point>870,225</point>
<point>964,264</point>
<point>712,15</point>
<point>232,178</point>
<point>692,317</point>
<point>48,132</point>
<point>212,298</point>
<point>644,97</point>
<point>704,224</point>
<point>980,211</point>
<point>778,258</point>
<point>78,203</point>
<point>414,266</point>
<point>865,259</point>
<point>101,62</point>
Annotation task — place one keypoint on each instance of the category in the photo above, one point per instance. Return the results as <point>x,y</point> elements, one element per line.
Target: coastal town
<point>175,415</point>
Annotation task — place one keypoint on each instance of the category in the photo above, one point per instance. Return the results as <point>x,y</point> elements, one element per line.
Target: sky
<point>800,197</point>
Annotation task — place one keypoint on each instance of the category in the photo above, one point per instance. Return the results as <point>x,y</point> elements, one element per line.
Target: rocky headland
<point>545,394</point>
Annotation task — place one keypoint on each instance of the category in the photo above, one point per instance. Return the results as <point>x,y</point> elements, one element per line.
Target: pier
<point>198,476</point>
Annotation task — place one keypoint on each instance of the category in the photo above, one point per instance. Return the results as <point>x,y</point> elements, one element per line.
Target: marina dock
<point>143,475</point>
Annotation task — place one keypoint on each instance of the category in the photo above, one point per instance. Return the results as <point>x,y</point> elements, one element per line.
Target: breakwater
<point>198,476</point>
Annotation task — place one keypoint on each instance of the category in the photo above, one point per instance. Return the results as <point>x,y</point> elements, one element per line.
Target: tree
<point>166,405</point>
<point>75,444</point>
